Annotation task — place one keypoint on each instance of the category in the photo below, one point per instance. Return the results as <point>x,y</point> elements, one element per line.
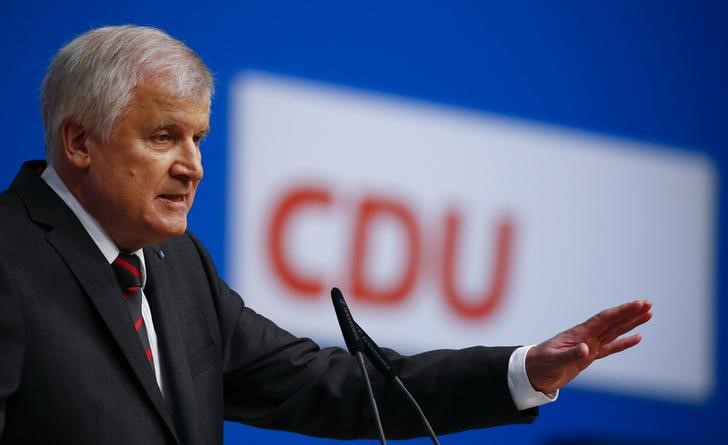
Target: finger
<point>602,321</point>
<point>619,345</point>
<point>623,327</point>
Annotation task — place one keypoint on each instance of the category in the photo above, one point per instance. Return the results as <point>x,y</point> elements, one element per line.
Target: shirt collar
<point>101,238</point>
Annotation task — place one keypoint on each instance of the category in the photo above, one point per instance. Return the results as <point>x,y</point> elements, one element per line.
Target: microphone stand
<point>372,400</point>
<point>381,362</point>
<point>417,408</point>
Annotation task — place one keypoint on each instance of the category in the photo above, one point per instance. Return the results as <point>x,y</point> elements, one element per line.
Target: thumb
<point>574,354</point>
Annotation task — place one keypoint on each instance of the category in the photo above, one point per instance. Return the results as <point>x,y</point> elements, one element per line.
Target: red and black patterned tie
<point>128,273</point>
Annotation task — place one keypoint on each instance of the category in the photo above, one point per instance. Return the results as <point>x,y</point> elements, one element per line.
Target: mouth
<point>175,200</point>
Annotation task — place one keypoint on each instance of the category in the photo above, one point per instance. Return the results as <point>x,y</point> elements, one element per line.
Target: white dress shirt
<point>108,248</point>
<point>523,394</point>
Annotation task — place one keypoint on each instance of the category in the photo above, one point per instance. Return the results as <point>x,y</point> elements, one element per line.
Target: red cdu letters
<point>368,210</point>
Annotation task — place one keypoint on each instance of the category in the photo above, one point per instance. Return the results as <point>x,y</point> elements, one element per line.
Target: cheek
<point>109,190</point>
<point>130,197</point>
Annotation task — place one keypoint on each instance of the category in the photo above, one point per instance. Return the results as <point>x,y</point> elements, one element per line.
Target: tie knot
<point>127,270</point>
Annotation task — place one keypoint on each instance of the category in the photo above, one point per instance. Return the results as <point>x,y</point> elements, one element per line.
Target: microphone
<point>357,341</point>
<point>346,322</point>
<point>386,368</point>
<point>354,345</point>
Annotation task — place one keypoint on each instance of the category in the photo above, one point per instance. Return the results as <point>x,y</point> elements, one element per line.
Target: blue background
<point>653,71</point>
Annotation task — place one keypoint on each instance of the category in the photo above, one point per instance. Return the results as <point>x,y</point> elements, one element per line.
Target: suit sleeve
<point>12,341</point>
<point>275,380</point>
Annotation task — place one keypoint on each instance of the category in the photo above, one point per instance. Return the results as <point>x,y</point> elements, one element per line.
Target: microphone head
<point>376,355</point>
<point>346,322</point>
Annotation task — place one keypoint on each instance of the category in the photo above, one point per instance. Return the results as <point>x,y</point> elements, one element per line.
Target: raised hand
<point>556,361</point>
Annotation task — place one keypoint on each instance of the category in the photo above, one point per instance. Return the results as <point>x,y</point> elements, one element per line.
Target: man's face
<point>141,184</point>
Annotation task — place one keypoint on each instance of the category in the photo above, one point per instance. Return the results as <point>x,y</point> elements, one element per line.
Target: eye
<point>198,138</point>
<point>162,137</point>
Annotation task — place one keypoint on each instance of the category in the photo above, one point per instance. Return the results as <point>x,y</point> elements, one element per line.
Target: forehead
<point>156,100</point>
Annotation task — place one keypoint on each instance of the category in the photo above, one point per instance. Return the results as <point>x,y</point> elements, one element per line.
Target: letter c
<point>290,203</point>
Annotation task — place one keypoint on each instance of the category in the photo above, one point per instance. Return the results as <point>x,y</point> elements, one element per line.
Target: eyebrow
<point>168,124</point>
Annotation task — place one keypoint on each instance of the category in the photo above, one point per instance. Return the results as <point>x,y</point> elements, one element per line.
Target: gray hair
<point>92,79</point>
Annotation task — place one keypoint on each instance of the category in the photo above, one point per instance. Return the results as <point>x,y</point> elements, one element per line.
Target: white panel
<point>596,221</point>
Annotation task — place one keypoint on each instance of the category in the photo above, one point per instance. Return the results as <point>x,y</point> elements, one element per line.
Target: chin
<point>165,232</point>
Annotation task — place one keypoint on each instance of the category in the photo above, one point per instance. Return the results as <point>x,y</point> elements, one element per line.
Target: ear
<point>76,141</point>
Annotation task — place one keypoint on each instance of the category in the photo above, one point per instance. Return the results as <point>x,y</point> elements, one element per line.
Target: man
<point>116,328</point>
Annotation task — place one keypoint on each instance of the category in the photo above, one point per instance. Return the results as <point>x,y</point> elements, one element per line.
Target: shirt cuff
<point>523,394</point>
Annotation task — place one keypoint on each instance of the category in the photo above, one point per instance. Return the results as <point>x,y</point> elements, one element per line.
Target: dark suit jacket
<point>72,369</point>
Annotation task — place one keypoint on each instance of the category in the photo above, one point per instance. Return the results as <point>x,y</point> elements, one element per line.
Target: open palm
<point>556,361</point>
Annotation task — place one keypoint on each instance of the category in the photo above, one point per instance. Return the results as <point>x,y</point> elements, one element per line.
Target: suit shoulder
<point>15,220</point>
<point>11,207</point>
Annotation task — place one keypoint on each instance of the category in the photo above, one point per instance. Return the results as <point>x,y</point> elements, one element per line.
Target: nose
<point>188,165</point>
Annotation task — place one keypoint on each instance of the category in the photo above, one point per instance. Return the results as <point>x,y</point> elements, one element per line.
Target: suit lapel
<point>179,386</point>
<point>88,264</point>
